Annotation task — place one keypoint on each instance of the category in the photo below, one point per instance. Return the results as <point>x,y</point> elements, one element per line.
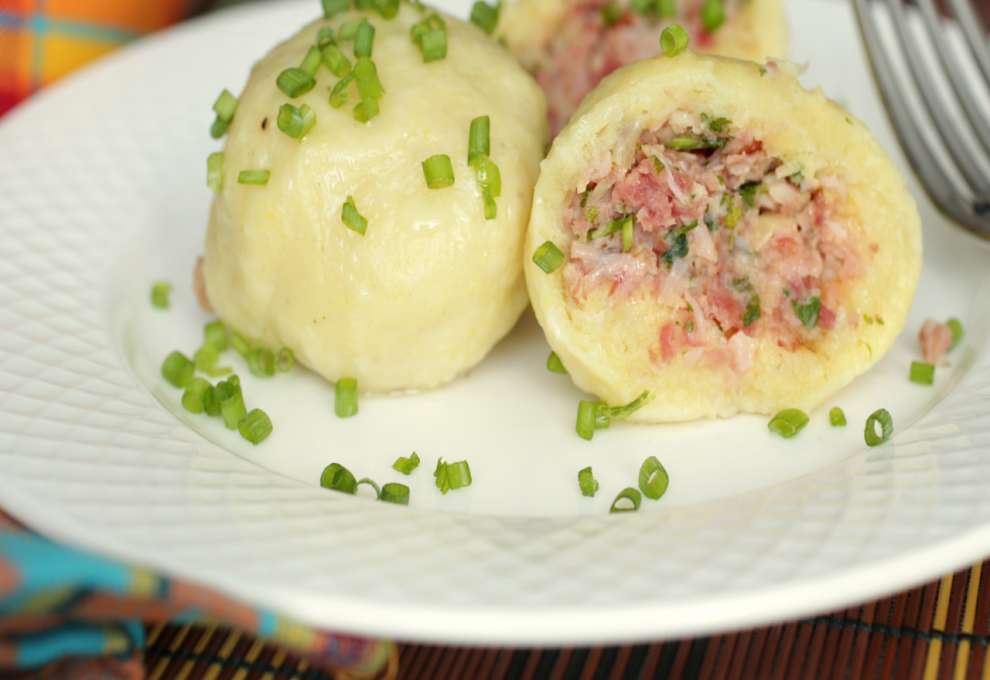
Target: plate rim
<point>466,626</point>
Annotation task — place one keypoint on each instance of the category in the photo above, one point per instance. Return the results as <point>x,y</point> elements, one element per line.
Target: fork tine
<point>916,147</point>
<point>963,92</point>
<point>921,74</point>
<point>971,28</point>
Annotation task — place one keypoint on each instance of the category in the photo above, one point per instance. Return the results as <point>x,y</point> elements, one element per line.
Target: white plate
<point>101,192</point>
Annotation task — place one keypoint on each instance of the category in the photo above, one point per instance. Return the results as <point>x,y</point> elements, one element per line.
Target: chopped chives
<point>366,75</point>
<point>808,311</point>
<point>311,62</point>
<point>479,138</point>
<point>602,418</point>
<point>587,482</point>
<point>219,128</point>
<point>620,412</point>
<point>653,478</point>
<point>261,362</point>
<point>195,394</point>
<point>348,30</point>
<point>430,36</point>
<point>490,206</point>
<point>296,122</point>
<point>338,478</point>
<point>448,476</point>
<point>239,344</point>
<point>712,14</point>
<point>548,257</point>
<point>885,421</point>
<point>433,45</point>
<point>922,373</point>
<point>554,364</point>
<point>254,177</point>
<point>837,417</point>
<point>215,335</point>
<point>628,234</point>
<point>285,360</point>
<point>673,40</point>
<point>325,37</point>
<point>338,95</point>
<point>438,171</point>
<point>488,174</point>
<point>956,328</point>
<point>393,492</point>
<point>370,482</point>
<point>389,9</point>
<point>214,171</point>
<point>611,13</point>
<point>351,218</point>
<point>225,106</point>
<point>644,7</point>
<point>628,500</point>
<point>586,415</point>
<point>295,82</point>
<point>406,465</point>
<point>231,402</point>
<point>336,62</point>
<point>211,402</point>
<point>160,291</point>
<point>255,426</point>
<point>364,39</point>
<point>346,398</point>
<point>616,225</point>
<point>485,16</point>
<point>206,359</point>
<point>788,423</point>
<point>687,143</point>
<point>365,110</point>
<point>332,8</point>
<point>177,369</point>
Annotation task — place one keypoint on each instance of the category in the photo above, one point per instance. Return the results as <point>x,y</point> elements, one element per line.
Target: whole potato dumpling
<point>570,45</point>
<point>432,285</point>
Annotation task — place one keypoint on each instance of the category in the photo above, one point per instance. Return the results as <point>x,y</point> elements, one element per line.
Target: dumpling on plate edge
<point>570,45</point>
<point>432,284</point>
<point>727,240</point>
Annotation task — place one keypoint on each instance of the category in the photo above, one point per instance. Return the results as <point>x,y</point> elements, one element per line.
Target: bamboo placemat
<point>940,630</point>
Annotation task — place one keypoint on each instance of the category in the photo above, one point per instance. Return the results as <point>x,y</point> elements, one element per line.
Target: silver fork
<point>964,195</point>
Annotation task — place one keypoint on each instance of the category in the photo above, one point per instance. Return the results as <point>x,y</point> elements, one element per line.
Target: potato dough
<point>756,30</point>
<point>432,286</point>
<point>675,320</point>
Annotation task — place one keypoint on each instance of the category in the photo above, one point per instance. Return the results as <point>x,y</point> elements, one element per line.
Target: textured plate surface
<point>102,193</point>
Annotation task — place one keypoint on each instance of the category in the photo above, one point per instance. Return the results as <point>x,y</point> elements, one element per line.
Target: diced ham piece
<point>935,339</point>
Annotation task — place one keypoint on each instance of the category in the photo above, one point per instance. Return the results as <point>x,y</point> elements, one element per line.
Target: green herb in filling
<point>808,311</point>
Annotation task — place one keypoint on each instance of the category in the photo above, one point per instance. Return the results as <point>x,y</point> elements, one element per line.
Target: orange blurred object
<point>43,40</point>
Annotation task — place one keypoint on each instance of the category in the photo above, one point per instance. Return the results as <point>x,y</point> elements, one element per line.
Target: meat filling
<point>597,37</point>
<point>742,244</point>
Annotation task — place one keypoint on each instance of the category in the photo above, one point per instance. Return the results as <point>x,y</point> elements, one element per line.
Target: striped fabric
<point>941,630</point>
<point>42,40</point>
<point>65,613</point>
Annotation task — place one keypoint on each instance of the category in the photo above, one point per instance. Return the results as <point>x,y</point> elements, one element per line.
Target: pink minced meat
<point>739,243</point>
<point>584,49</point>
<point>935,339</point>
